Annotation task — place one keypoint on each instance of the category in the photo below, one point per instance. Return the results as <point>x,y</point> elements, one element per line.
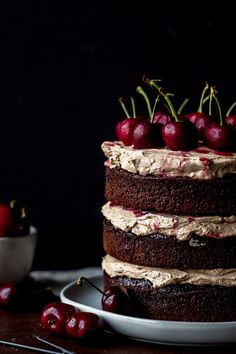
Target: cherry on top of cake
<point>175,131</point>
<point>14,219</point>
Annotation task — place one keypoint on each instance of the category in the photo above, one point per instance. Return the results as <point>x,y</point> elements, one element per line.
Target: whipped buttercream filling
<point>160,277</point>
<point>143,223</point>
<point>202,163</point>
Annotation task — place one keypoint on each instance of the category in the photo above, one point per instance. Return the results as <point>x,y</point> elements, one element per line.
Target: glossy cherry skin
<point>55,315</point>
<point>218,137</point>
<point>117,300</point>
<point>5,219</point>
<point>200,120</point>
<point>182,135</point>
<point>83,324</point>
<point>147,135</point>
<point>161,118</point>
<point>8,293</point>
<point>231,120</point>
<point>124,130</point>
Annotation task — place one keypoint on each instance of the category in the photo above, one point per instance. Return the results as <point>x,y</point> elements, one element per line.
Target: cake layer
<point>180,302</point>
<point>143,223</point>
<point>172,195</point>
<point>158,250</point>
<point>201,163</point>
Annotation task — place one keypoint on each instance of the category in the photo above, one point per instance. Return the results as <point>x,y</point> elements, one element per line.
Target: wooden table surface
<point>19,327</point>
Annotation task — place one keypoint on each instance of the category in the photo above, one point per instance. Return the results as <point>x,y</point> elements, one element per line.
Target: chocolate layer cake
<point>199,182</point>
<point>172,214</point>
<point>169,294</point>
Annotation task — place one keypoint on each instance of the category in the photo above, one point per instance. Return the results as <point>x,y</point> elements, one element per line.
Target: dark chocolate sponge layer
<point>172,195</point>
<point>163,251</point>
<point>182,302</point>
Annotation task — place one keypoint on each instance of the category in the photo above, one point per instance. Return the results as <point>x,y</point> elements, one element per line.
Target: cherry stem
<point>133,107</point>
<point>140,90</point>
<point>210,104</point>
<point>183,104</point>
<point>82,279</point>
<point>154,107</point>
<point>153,83</point>
<point>205,100</point>
<point>202,97</point>
<point>218,104</point>
<point>230,108</point>
<point>124,108</point>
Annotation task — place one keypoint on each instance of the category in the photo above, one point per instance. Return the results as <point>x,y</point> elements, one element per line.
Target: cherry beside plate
<point>86,298</point>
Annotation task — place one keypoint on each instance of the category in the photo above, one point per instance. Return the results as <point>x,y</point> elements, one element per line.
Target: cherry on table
<point>55,315</point>
<point>8,293</point>
<point>82,325</point>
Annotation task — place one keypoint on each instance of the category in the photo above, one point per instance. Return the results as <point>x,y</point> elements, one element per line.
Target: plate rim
<point>163,324</point>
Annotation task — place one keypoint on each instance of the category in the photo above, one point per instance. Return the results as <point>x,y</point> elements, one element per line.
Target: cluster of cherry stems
<point>178,131</point>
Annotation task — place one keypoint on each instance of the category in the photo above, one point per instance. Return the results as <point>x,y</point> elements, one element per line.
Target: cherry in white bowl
<point>17,255</point>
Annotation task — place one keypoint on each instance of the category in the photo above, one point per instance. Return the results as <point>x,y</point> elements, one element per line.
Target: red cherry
<point>182,135</point>
<point>116,299</point>
<point>8,292</point>
<point>83,324</point>
<point>218,137</point>
<point>124,130</point>
<point>161,118</point>
<point>231,120</point>
<point>147,135</point>
<point>5,219</point>
<point>200,120</point>
<point>55,315</point>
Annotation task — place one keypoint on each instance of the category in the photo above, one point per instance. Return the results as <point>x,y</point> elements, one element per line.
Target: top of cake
<point>201,163</point>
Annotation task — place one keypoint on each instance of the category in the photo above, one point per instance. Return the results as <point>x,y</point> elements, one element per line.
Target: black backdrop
<point>63,65</point>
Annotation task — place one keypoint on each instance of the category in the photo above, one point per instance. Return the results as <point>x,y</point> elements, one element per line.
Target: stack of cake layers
<point>170,231</point>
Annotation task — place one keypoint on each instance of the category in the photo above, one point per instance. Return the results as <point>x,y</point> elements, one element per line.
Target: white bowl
<point>16,256</point>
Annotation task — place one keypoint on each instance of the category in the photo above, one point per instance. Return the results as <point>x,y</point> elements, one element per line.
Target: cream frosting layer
<point>202,163</point>
<point>143,223</point>
<point>160,277</point>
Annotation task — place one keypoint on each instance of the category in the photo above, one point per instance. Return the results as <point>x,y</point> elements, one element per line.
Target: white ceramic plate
<point>86,298</point>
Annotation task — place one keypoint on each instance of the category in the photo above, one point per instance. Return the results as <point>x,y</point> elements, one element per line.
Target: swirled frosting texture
<point>143,223</point>
<point>160,277</point>
<point>202,163</point>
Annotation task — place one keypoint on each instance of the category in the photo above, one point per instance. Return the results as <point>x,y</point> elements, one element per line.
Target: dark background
<point>63,66</point>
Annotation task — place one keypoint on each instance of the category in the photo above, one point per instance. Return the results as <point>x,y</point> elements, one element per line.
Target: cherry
<point>178,135</point>
<point>55,315</point>
<point>5,219</point>
<point>161,118</point>
<point>124,130</point>
<point>147,135</point>
<point>199,118</point>
<point>114,299</point>
<point>8,293</point>
<point>231,120</point>
<point>82,325</point>
<point>218,136</point>
<point>181,135</point>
